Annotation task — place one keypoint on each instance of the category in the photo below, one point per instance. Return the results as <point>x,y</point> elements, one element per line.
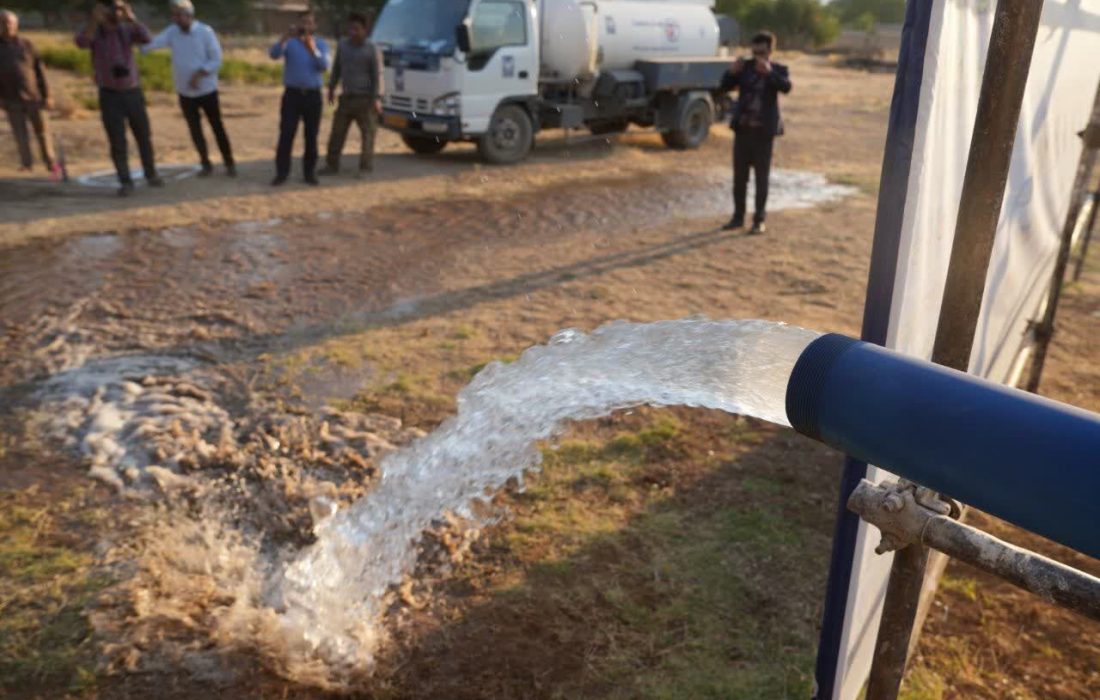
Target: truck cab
<point>461,70</point>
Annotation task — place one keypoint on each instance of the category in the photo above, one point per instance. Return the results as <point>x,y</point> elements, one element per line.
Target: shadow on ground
<point>660,554</point>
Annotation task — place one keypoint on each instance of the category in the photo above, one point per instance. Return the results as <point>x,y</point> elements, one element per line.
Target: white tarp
<point>1065,71</point>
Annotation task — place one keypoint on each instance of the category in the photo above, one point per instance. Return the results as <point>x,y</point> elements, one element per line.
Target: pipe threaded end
<point>807,382</point>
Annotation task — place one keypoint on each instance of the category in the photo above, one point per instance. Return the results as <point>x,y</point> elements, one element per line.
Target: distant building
<point>883,40</point>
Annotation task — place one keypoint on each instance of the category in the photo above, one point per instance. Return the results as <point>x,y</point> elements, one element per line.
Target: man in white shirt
<point>196,60</point>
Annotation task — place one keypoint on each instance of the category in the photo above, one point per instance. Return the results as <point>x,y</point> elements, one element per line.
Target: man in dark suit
<point>756,122</point>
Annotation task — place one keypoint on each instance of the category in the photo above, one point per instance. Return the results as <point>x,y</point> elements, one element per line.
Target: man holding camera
<point>111,36</point>
<point>196,60</point>
<point>24,93</point>
<point>306,60</point>
<point>756,122</point>
<point>358,66</point>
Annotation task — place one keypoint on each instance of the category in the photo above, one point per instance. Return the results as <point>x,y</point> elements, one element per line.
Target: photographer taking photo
<point>756,122</point>
<point>305,57</point>
<point>111,35</point>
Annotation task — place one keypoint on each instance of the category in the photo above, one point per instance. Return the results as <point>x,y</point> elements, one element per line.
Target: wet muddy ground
<point>273,348</point>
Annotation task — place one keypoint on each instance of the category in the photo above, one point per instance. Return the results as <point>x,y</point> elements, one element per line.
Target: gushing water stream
<point>331,595</point>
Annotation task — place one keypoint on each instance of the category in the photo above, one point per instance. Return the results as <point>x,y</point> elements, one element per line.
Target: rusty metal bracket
<point>900,511</point>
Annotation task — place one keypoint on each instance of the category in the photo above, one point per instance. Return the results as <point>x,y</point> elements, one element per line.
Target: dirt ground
<point>659,554</point>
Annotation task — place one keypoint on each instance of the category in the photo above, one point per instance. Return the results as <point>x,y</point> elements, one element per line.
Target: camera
<point>749,62</point>
<point>120,71</point>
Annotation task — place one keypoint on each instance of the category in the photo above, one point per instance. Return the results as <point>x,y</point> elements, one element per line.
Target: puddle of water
<point>109,178</point>
<point>256,226</point>
<point>267,275</point>
<point>136,417</point>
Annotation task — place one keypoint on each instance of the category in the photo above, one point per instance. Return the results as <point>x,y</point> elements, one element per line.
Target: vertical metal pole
<point>1088,237</point>
<point>1044,330</point>
<point>1008,61</point>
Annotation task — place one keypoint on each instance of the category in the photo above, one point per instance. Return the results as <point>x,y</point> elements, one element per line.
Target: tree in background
<point>333,13</point>
<point>854,13</point>
<point>799,24</point>
<point>224,14</point>
<point>53,12</point>
<point>62,13</point>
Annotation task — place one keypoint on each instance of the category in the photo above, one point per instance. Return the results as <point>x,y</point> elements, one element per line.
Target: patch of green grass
<point>401,385</point>
<point>966,587</point>
<point>466,374</point>
<point>922,684</point>
<point>88,102</point>
<point>677,591</point>
<point>47,578</point>
<point>463,333</point>
<point>763,486</point>
<point>661,438</point>
<point>156,68</point>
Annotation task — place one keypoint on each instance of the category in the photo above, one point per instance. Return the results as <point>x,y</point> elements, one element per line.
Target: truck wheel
<point>693,128</point>
<point>509,138</point>
<point>424,145</point>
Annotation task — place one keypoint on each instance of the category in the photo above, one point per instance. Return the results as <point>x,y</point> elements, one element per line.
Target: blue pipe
<point>1025,459</point>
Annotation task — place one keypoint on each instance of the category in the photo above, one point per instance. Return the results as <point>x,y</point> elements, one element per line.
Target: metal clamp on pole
<point>907,516</point>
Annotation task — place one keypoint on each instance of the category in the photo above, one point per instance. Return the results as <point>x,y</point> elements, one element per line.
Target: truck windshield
<point>428,25</point>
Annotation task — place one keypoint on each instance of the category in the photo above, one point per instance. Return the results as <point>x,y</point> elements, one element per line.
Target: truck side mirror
<point>462,37</point>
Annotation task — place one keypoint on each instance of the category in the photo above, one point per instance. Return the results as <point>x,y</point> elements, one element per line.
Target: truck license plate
<point>395,120</point>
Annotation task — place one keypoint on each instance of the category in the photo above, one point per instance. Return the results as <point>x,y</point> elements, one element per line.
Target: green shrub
<point>156,68</point>
<point>798,24</point>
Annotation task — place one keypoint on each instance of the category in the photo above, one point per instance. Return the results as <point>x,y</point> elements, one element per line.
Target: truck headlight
<point>449,105</point>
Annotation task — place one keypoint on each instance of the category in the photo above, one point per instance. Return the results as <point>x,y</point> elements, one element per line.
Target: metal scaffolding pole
<point>1007,65</point>
<point>1089,227</point>
<point>1043,331</point>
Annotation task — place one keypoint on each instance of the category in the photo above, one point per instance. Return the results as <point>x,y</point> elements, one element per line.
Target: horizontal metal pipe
<point>1046,578</point>
<point>904,521</point>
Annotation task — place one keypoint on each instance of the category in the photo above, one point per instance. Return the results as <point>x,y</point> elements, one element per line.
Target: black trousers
<point>193,108</point>
<point>117,108</point>
<point>298,106</point>
<point>752,149</point>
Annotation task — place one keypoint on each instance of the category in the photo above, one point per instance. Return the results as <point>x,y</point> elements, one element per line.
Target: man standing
<point>196,60</point>
<point>756,122</point>
<point>111,35</point>
<point>358,65</point>
<point>306,60</point>
<point>24,92</point>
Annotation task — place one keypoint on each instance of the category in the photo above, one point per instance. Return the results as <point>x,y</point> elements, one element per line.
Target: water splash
<point>331,596</point>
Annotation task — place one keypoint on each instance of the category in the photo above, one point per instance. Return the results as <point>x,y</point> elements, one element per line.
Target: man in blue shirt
<point>306,60</point>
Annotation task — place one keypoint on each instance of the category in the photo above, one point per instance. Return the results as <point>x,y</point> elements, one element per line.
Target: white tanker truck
<point>497,71</point>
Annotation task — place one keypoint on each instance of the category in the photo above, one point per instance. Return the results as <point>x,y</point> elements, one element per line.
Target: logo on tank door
<point>672,31</point>
<point>399,78</point>
<point>508,66</point>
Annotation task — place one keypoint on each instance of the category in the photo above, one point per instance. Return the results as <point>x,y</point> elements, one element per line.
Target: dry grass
<point>48,577</point>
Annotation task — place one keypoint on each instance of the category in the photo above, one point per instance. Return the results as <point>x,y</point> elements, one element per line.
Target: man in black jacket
<point>756,122</point>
